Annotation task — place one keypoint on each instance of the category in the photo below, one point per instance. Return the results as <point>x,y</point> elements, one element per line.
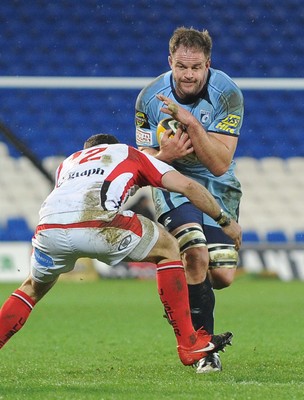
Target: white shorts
<point>57,246</point>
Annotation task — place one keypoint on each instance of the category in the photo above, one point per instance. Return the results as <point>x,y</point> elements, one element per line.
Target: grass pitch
<point>108,340</point>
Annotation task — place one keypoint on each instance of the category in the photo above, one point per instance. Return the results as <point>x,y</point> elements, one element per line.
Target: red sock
<point>173,293</point>
<point>13,314</point>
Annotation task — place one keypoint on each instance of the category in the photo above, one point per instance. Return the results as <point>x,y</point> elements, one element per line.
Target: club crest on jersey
<point>205,116</point>
<point>229,124</point>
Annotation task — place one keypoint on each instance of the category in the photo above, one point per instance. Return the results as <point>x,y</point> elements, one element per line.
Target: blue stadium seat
<point>17,229</point>
<point>250,237</point>
<point>299,237</point>
<point>276,237</point>
<point>3,235</point>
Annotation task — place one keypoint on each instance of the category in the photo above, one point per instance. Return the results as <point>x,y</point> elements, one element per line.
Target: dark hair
<point>100,138</point>
<point>191,38</point>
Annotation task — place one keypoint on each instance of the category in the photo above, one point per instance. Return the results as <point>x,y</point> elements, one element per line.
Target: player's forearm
<point>202,199</point>
<point>195,192</point>
<point>210,151</point>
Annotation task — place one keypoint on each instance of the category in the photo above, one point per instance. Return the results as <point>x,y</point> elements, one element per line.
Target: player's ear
<point>170,61</point>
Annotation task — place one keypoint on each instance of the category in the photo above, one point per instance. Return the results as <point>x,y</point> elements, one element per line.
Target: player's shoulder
<point>121,149</point>
<point>160,84</point>
<point>220,81</point>
<point>221,85</point>
<point>108,147</point>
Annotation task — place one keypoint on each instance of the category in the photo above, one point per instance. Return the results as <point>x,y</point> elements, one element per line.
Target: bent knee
<point>197,258</point>
<point>196,261</point>
<point>222,278</point>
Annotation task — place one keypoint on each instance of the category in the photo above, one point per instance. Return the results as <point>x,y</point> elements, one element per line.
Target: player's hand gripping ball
<point>165,124</point>
<point>170,123</point>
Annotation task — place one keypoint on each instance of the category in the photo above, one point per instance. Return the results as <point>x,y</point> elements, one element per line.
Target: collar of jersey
<point>192,99</point>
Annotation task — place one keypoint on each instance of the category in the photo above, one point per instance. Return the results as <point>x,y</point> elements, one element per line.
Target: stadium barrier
<point>15,264</point>
<point>286,261</point>
<point>97,83</point>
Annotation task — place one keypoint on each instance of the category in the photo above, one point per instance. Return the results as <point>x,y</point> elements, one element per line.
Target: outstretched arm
<point>203,199</point>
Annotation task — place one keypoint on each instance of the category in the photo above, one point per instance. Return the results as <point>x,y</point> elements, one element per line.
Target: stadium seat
<point>3,150</point>
<point>299,237</point>
<point>276,237</point>
<point>17,229</point>
<point>3,234</point>
<point>295,165</point>
<point>52,163</point>
<point>251,237</point>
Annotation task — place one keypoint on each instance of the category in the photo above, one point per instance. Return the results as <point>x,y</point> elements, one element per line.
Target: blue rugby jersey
<point>219,108</point>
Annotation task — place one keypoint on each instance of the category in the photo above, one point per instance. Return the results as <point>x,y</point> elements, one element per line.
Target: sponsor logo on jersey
<point>76,174</point>
<point>229,124</point>
<point>167,221</point>
<point>43,259</point>
<point>87,172</point>
<point>205,116</point>
<point>141,120</point>
<point>125,242</point>
<point>143,137</point>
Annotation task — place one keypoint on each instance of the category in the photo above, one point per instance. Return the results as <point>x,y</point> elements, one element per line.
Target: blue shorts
<point>188,213</point>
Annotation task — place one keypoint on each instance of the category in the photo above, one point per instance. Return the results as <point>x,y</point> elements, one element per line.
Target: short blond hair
<point>191,38</point>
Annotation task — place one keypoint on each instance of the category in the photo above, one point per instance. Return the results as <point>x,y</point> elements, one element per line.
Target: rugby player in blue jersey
<point>209,106</point>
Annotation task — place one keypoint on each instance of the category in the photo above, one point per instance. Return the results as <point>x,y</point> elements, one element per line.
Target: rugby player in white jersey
<point>82,217</point>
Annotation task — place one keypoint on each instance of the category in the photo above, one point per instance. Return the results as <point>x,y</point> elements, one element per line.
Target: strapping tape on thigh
<point>192,236</point>
<point>222,255</point>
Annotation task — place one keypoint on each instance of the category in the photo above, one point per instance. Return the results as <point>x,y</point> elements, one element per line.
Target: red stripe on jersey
<point>148,173</point>
<point>120,221</point>
<point>58,173</point>
<point>143,173</point>
<point>133,165</point>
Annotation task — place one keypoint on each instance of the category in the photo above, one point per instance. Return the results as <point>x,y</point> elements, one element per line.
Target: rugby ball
<point>170,123</point>
<point>165,124</point>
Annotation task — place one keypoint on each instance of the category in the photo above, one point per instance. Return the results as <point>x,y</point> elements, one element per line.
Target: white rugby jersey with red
<point>101,178</point>
<point>82,216</point>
